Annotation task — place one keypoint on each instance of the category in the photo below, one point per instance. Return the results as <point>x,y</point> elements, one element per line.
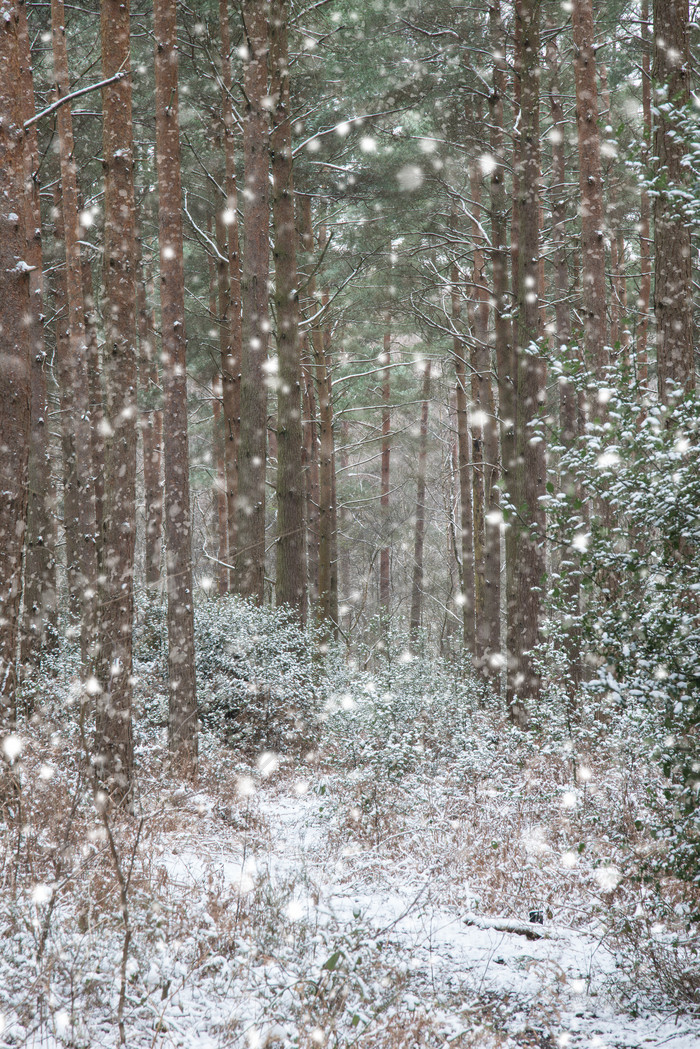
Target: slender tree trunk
<point>15,369</point>
<point>591,186</point>
<point>220,509</point>
<point>328,567</point>
<point>40,537</point>
<point>95,392</point>
<point>673,281</point>
<point>113,724</point>
<point>291,538</point>
<point>230,294</point>
<point>482,419</point>
<point>568,408</point>
<point>463,471</point>
<point>151,432</point>
<point>311,488</point>
<point>417,583</point>
<point>523,682</point>
<point>76,371</point>
<point>250,555</point>
<point>385,551</point>
<point>502,325</point>
<point>182,719</point>
<point>644,299</point>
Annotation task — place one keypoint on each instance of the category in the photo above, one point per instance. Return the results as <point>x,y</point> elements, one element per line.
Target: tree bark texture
<point>528,559</point>
<point>250,553</point>
<point>419,539</point>
<point>39,592</point>
<point>182,718</point>
<point>673,284</point>
<point>230,292</point>
<point>15,367</point>
<point>591,186</point>
<point>151,431</point>
<point>75,371</point>
<point>291,538</point>
<point>464,472</point>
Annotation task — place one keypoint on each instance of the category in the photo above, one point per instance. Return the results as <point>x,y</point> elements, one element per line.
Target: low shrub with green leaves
<point>636,555</point>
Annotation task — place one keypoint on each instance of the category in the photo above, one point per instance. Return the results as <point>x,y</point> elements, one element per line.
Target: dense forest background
<point>350,338</point>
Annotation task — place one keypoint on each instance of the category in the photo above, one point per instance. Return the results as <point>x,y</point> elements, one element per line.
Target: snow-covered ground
<point>300,908</point>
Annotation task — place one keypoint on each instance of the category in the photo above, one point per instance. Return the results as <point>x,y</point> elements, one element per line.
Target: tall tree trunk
<point>40,537</point>
<point>417,582</point>
<point>568,407</point>
<point>673,282</point>
<point>291,538</point>
<point>15,369</point>
<point>76,370</point>
<point>219,459</point>
<point>644,300</point>
<point>151,431</point>
<point>311,481</point>
<point>481,419</point>
<point>95,393</point>
<point>327,549</point>
<point>523,681</point>
<point>113,724</point>
<point>385,551</point>
<point>463,471</point>
<point>250,554</point>
<point>182,717</point>
<point>502,325</point>
<point>591,186</point>
<point>230,293</point>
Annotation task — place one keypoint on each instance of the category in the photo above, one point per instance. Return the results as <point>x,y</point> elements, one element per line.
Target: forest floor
<point>288,904</point>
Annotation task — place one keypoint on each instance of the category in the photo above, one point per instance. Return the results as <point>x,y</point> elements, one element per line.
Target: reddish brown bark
<point>219,487</point>
<point>151,431</point>
<point>250,554</point>
<point>39,596</point>
<point>419,539</point>
<point>644,299</point>
<point>591,186</point>
<point>15,369</point>
<point>528,560</point>
<point>291,538</point>
<point>230,292</point>
<point>182,717</point>
<point>75,373</point>
<point>464,473</point>
<point>673,282</point>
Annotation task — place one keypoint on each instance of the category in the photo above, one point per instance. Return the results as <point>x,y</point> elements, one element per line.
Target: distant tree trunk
<point>591,186</point>
<point>644,300</point>
<point>15,369</point>
<point>95,393</point>
<point>463,471</point>
<point>311,485</point>
<point>219,486</point>
<point>220,509</point>
<point>40,537</point>
<point>523,681</point>
<point>502,325</point>
<point>481,421</point>
<point>291,538</point>
<point>151,432</point>
<point>417,583</point>
<point>76,370</point>
<point>250,554</point>
<point>385,551</point>
<point>230,295</point>
<point>182,717</point>
<point>568,407</point>
<point>673,281</point>
<point>327,549</point>
<point>113,724</point>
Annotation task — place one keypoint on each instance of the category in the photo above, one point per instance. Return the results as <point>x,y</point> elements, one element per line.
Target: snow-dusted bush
<point>408,714</point>
<point>257,673</point>
<point>629,526</point>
